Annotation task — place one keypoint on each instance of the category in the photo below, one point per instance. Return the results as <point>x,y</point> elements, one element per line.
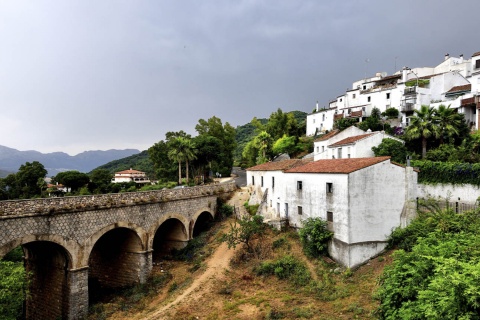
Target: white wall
<point>467,193</point>
<point>349,132</point>
<point>320,121</point>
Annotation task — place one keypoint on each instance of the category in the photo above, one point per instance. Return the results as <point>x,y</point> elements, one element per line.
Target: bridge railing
<point>45,206</point>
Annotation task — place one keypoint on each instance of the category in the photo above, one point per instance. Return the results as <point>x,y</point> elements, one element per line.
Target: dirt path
<point>214,272</point>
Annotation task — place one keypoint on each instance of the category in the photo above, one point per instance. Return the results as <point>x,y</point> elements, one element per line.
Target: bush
<point>437,278</point>
<point>13,287</point>
<point>287,267</point>
<point>315,236</point>
<point>243,231</point>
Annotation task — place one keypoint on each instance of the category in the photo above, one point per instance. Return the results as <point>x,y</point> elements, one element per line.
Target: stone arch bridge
<point>108,240</point>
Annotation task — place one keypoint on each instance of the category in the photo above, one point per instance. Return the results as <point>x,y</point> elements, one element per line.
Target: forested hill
<point>139,161</point>
<point>243,134</point>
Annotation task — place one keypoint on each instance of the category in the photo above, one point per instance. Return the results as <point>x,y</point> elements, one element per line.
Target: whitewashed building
<point>406,90</point>
<point>362,199</point>
<point>130,176</point>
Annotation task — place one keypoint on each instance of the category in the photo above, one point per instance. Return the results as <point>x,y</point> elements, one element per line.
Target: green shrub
<point>287,267</point>
<point>13,288</point>
<point>437,278</point>
<point>315,236</point>
<point>448,172</point>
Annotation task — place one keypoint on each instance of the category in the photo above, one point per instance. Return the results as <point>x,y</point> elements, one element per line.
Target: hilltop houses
<point>455,82</point>
<point>362,199</point>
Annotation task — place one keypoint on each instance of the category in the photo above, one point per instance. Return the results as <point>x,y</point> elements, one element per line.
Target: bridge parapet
<point>46,206</point>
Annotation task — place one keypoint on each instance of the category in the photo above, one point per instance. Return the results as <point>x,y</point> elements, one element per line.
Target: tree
<point>285,144</point>
<point>244,231</point>
<point>262,141</point>
<point>208,148</point>
<point>423,126</point>
<point>100,179</point>
<point>182,150</point>
<point>393,148</point>
<point>224,133</point>
<point>448,121</point>
<point>315,236</point>
<point>72,179</point>
<point>27,178</point>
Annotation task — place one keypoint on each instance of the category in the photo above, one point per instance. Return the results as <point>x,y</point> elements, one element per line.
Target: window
<point>318,149</point>
<point>339,153</point>
<point>323,148</point>
<point>340,100</point>
<point>329,187</point>
<point>329,216</point>
<point>364,87</point>
<point>313,120</point>
<point>261,181</point>
<point>300,210</point>
<point>348,152</point>
<point>477,64</point>
<point>368,99</point>
<point>353,96</point>
<point>253,180</point>
<point>323,117</point>
<point>270,203</point>
<point>388,95</point>
<point>299,185</point>
<point>273,182</point>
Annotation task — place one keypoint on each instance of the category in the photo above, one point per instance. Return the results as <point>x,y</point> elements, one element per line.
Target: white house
<point>362,199</point>
<point>406,90</point>
<point>130,176</point>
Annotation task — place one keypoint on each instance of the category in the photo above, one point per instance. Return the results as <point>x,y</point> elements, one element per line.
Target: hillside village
<point>454,82</point>
<point>363,197</point>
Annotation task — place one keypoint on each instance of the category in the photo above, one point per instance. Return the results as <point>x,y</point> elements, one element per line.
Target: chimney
<point>316,107</point>
<point>461,58</point>
<point>404,74</point>
<point>447,56</point>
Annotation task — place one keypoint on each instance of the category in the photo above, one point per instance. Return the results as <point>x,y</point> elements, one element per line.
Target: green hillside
<point>139,161</point>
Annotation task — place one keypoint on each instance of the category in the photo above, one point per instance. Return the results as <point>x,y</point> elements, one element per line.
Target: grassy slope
<point>245,295</point>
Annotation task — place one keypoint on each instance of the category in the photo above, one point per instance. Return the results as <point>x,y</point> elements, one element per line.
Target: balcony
<point>410,90</point>
<point>408,107</point>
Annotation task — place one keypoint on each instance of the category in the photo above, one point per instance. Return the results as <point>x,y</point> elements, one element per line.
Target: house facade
<point>406,91</point>
<point>131,176</point>
<point>362,199</point>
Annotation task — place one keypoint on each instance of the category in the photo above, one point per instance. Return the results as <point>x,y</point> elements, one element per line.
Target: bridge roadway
<point>107,240</point>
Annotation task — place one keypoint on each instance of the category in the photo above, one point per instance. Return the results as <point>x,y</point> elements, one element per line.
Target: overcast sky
<point>98,75</point>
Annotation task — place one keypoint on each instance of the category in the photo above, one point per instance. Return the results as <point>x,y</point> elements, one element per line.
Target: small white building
<point>362,199</point>
<point>130,176</point>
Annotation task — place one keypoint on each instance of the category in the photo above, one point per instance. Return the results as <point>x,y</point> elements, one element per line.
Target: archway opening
<point>115,262</point>
<point>204,223</point>
<point>47,265</point>
<point>169,236</point>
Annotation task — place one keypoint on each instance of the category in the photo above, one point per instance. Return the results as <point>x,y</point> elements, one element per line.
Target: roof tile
<point>350,140</point>
<point>348,165</point>
<point>279,165</point>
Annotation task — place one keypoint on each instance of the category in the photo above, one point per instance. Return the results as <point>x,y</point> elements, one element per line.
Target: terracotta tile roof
<point>348,165</point>
<point>465,87</point>
<point>468,101</point>
<point>476,54</point>
<point>327,135</point>
<point>350,140</point>
<point>356,114</point>
<point>337,116</point>
<point>279,165</point>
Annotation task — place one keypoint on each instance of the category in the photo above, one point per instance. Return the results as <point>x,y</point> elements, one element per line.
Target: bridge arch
<point>199,220</point>
<point>169,232</point>
<point>116,258</point>
<point>92,240</point>
<point>71,247</point>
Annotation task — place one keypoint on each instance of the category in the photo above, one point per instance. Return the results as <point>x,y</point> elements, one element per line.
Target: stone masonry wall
<point>86,203</point>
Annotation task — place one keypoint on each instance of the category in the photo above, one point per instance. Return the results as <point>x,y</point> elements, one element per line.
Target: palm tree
<point>262,141</point>
<point>448,120</point>
<point>182,149</point>
<point>423,125</point>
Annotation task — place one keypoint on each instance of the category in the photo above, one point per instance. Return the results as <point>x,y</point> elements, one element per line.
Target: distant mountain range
<point>12,159</point>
